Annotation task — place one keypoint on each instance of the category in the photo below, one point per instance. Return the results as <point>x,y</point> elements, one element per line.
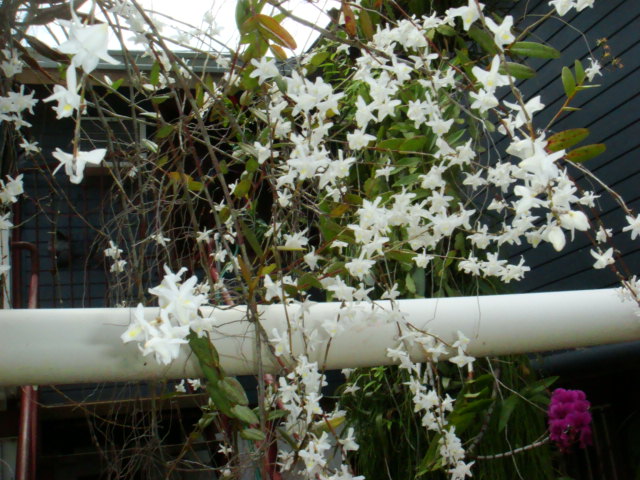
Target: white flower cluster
<point>426,398</point>
<point>115,253</point>
<point>300,394</point>
<point>179,313</point>
<point>14,105</point>
<point>563,6</point>
<point>9,192</point>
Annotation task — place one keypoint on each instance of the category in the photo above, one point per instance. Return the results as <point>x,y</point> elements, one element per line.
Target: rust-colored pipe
<point>28,427</point>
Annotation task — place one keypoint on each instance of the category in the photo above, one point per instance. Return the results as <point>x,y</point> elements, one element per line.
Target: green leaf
<point>567,138</point>
<point>568,82</point>
<point>233,390</point>
<point>164,131</point>
<point>116,85</point>
<point>275,414</point>
<point>506,409</point>
<point>160,99</point>
<point>580,75</point>
<point>319,58</point>
<point>391,143</point>
<point>308,280</point>
<point>250,237</point>
<point>407,180</point>
<point>533,49</point>
<point>582,154</point>
<point>154,74</point>
<point>245,414</point>
<point>252,434</point>
<point>446,30</point>
<point>414,144</point>
<point>483,39</point>
<point>242,187</point>
<point>365,24</point>
<point>276,32</point>
<point>517,70</point>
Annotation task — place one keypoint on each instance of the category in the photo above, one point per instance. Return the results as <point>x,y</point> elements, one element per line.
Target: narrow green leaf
<point>365,24</point>
<point>250,237</point>
<point>533,49</point>
<point>275,414</point>
<point>567,138</point>
<point>276,32</point>
<point>568,82</point>
<point>160,99</point>
<point>506,409</point>
<point>483,39</point>
<point>154,74</point>
<point>582,154</point>
<point>517,70</point>
<point>580,75</point>
<point>252,434</point>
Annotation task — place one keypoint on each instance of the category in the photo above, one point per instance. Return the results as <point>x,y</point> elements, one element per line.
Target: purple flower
<point>569,419</point>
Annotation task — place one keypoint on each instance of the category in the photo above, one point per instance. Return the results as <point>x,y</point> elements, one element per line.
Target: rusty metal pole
<point>28,426</point>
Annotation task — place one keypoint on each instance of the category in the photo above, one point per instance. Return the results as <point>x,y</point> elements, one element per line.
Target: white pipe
<point>58,346</point>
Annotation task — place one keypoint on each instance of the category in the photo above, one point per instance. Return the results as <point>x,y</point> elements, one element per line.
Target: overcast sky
<point>223,11</point>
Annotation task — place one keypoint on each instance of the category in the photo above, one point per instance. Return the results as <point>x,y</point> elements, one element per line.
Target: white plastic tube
<point>58,346</point>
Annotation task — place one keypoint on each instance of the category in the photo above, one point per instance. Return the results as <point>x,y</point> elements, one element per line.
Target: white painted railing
<point>58,346</point>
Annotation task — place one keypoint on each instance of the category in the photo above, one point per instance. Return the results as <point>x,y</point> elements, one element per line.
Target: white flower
<point>67,98</point>
<point>574,220</point>
<point>593,70</point>
<point>160,239</point>
<point>633,227</point>
<point>113,251</point>
<point>562,6</point>
<point>13,65</point>
<point>555,236</point>
<point>358,139</point>
<point>603,259</point>
<point>469,14</point>
<point>502,33</point>
<point>30,147</point>
<point>10,191</point>
<point>582,4</point>
<point>312,259</point>
<point>359,267</point>
<point>603,234</point>
<point>194,383</point>
<point>118,266</point>
<point>204,236</point>
<point>264,70</point>
<point>87,43</point>
<point>492,78</point>
<point>74,164</point>
<point>5,223</point>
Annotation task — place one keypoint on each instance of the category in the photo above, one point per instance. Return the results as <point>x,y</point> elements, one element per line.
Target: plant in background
<point>360,173</point>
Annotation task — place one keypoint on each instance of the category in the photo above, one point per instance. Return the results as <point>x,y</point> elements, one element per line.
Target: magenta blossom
<point>569,419</point>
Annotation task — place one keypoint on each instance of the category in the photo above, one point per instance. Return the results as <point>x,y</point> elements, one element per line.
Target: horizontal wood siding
<point>612,114</point>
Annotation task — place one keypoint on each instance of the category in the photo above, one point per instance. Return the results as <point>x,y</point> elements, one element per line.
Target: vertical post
<point>28,426</point>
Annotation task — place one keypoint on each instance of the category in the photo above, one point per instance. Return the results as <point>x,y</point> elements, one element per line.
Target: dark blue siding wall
<point>612,114</point>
